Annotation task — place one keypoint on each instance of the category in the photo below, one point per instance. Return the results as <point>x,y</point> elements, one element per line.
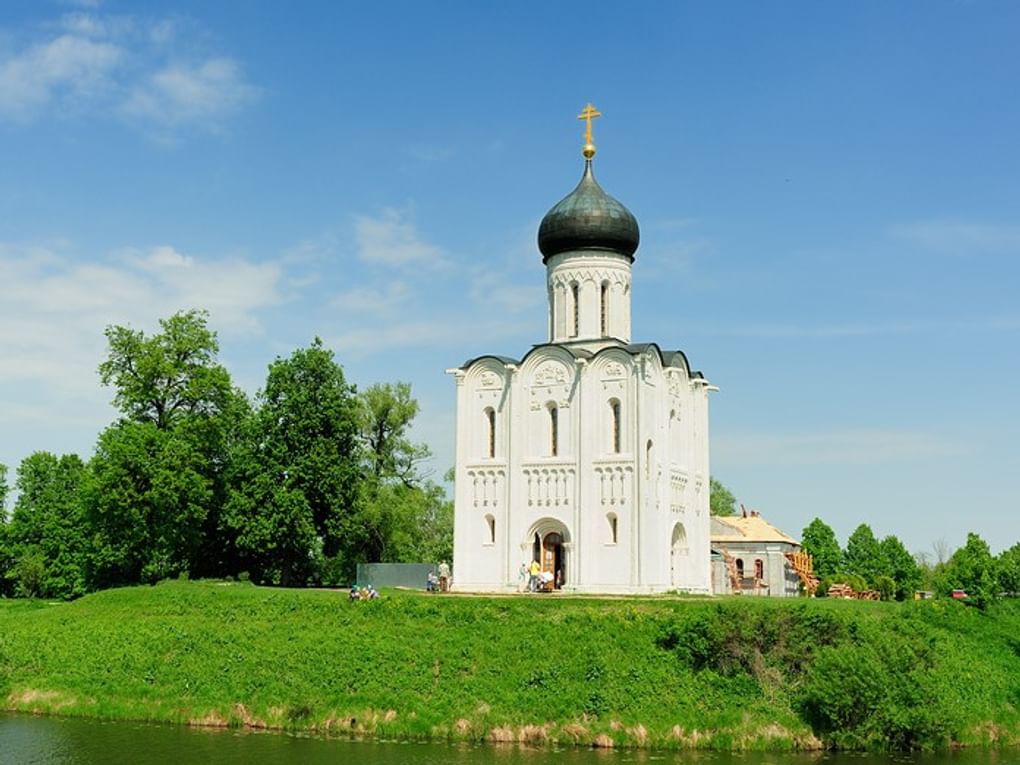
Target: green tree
<point>47,534</point>
<point>863,554</point>
<point>159,477</point>
<point>720,499</point>
<point>169,376</point>
<point>385,415</point>
<point>404,517</point>
<point>820,541</point>
<point>146,500</point>
<point>1009,570</point>
<point>407,524</point>
<point>972,568</point>
<point>296,487</point>
<point>900,566</point>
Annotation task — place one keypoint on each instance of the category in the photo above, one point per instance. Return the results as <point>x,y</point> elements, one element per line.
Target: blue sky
<point>829,197</point>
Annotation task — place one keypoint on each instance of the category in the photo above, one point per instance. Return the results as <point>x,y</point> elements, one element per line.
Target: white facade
<point>589,455</point>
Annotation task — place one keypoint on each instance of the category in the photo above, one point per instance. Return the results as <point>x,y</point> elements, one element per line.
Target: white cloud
<point>851,447</point>
<point>391,239</point>
<point>199,94</point>
<point>54,307</point>
<point>101,64</point>
<point>69,68</point>
<point>955,237</point>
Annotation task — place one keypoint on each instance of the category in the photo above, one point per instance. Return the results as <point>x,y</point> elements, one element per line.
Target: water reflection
<point>51,741</point>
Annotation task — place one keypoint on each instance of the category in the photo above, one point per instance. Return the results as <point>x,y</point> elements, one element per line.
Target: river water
<point>55,741</point>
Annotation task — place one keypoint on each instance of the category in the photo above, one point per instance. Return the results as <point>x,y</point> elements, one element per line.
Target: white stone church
<point>590,453</point>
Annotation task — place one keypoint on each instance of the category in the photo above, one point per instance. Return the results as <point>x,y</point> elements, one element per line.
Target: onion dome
<point>588,219</point>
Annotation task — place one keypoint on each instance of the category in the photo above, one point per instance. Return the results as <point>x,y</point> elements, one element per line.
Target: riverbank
<point>646,672</point>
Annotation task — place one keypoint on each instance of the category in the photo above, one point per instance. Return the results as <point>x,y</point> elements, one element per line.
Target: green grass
<point>658,672</point>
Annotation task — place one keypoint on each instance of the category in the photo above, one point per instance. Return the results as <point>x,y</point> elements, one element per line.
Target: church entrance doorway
<point>550,552</point>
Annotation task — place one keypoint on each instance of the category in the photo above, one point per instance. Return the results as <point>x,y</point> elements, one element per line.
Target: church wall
<point>609,488</point>
<point>587,485</point>
<point>481,487</point>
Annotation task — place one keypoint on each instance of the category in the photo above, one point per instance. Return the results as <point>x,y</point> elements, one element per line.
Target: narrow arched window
<point>648,460</point>
<point>759,569</point>
<point>740,567</point>
<point>604,308</point>
<point>490,523</point>
<point>575,291</point>
<point>614,407</point>
<point>490,417</point>
<point>613,527</point>
<point>554,431</point>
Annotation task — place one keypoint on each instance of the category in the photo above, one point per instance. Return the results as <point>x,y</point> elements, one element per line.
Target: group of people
<point>368,592</point>
<point>439,580</point>
<point>531,578</point>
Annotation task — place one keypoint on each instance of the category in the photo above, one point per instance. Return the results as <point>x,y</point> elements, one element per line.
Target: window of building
<point>490,418</point>
<point>648,460</point>
<point>605,309</point>
<point>575,291</point>
<point>759,569</point>
<point>614,407</point>
<point>613,527</point>
<point>554,431</point>
<point>740,567</point>
<point>490,525</point>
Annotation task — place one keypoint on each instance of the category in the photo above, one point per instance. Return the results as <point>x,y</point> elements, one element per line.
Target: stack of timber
<point>847,592</point>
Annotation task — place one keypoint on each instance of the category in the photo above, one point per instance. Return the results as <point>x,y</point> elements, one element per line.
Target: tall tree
<point>820,541</point>
<point>297,485</point>
<point>404,516</point>
<point>385,416</point>
<point>901,566</point>
<point>863,555</point>
<point>168,376</point>
<point>720,499</point>
<point>47,535</point>
<point>972,568</point>
<point>158,476</point>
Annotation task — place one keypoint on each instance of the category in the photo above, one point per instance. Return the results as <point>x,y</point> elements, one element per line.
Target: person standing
<point>533,581</point>
<point>444,576</point>
<point>522,577</point>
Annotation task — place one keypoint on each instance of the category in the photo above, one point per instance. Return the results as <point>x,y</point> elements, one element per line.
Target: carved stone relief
<point>614,370</point>
<point>551,373</point>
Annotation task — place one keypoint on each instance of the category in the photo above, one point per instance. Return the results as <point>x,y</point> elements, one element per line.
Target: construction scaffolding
<point>803,565</point>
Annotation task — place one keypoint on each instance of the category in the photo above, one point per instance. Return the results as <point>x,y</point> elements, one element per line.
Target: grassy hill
<point>731,673</point>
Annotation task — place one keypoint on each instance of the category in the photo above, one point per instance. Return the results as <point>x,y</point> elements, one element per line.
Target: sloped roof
<point>750,528</point>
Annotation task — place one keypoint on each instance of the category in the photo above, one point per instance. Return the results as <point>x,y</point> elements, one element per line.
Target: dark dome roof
<point>588,219</point>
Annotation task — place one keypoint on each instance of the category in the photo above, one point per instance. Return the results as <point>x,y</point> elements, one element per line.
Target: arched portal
<point>549,541</point>
<point>677,555</point>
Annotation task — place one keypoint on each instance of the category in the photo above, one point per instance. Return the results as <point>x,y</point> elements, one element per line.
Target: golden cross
<point>588,114</point>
